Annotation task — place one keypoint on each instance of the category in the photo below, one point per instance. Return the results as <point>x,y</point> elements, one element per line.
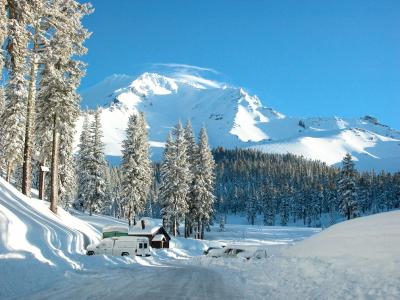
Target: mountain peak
<point>235,118</point>
<point>153,84</point>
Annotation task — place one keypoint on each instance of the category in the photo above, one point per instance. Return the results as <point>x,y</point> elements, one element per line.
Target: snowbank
<point>38,247</point>
<point>375,237</point>
<point>357,259</point>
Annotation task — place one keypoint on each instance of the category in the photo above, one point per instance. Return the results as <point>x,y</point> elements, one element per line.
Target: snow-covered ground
<point>42,257</point>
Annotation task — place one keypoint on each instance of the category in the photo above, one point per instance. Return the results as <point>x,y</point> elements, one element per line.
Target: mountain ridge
<point>234,118</point>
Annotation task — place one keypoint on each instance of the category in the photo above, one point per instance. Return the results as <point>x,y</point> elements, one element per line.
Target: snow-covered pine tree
<point>166,186</point>
<point>116,178</point>
<point>58,103</point>
<point>96,166</point>
<point>192,150</point>
<point>347,188</point>
<point>222,222</point>
<point>284,208</point>
<point>3,35</point>
<point>13,118</point>
<point>68,178</point>
<point>269,205</point>
<point>83,157</point>
<point>136,167</point>
<point>204,180</point>
<point>252,206</point>
<point>175,180</point>
<point>39,16</point>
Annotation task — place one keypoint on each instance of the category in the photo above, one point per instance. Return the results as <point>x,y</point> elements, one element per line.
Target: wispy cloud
<point>185,68</point>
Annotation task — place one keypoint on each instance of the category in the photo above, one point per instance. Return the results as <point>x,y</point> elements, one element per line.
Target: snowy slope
<point>37,247</point>
<point>357,259</point>
<point>375,238</point>
<point>234,118</point>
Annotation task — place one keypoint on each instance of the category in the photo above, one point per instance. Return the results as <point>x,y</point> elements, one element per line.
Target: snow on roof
<point>148,230</point>
<point>151,227</point>
<point>158,238</point>
<point>119,228</point>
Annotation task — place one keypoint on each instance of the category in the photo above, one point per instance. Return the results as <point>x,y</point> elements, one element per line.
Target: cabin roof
<point>147,231</point>
<point>118,228</point>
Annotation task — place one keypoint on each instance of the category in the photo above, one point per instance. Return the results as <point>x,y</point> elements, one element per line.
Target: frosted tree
<point>57,102</point>
<point>68,179</point>
<point>166,187</point>
<point>347,188</point>
<point>83,158</point>
<point>96,166</point>
<point>40,17</point>
<point>175,180</point>
<point>136,167</point>
<point>116,187</point>
<point>285,205</point>
<point>252,207</point>
<point>3,35</point>
<point>269,205</point>
<point>204,180</point>
<point>192,150</point>
<point>13,117</point>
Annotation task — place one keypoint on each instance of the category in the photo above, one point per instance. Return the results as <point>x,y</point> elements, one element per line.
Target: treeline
<point>287,188</point>
<point>40,42</point>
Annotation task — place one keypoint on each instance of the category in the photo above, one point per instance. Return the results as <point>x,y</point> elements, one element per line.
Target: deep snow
<point>42,256</point>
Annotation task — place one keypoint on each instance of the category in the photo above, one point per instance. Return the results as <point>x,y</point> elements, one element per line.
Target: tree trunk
<point>42,175</point>
<point>198,234</point>
<point>130,216</point>
<point>54,168</point>
<point>186,227</point>
<point>30,110</point>
<point>174,227</point>
<point>9,171</point>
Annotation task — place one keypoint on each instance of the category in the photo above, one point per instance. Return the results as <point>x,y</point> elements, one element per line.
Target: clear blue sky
<point>303,58</point>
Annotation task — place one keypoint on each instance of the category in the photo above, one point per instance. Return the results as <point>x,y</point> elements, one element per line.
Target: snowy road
<point>166,282</point>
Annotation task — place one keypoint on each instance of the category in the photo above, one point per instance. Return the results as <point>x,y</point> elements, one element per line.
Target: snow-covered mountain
<point>234,118</point>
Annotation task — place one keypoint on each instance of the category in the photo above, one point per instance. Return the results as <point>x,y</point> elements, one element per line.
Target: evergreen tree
<point>116,187</point>
<point>57,102</point>
<point>192,150</point>
<point>269,206</point>
<point>97,165</point>
<point>175,180</point>
<point>136,167</point>
<point>347,188</point>
<point>13,117</point>
<point>83,158</point>
<point>41,17</point>
<point>3,35</point>
<point>204,180</point>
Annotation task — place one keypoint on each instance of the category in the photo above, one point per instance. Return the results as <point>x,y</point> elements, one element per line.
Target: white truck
<point>121,246</point>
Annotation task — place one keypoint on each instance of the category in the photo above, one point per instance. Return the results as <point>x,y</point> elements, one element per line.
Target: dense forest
<point>287,188</point>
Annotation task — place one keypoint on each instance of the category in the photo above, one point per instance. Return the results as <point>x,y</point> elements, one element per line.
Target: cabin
<point>157,235</point>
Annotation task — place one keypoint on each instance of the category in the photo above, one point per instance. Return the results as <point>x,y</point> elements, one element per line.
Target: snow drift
<point>234,118</point>
<point>375,237</point>
<point>38,247</point>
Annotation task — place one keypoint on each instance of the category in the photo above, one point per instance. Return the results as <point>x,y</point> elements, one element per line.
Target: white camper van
<point>121,246</point>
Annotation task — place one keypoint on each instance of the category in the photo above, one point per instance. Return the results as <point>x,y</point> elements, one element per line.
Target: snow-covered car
<point>245,253</point>
<point>121,246</point>
<point>253,254</point>
<point>205,252</point>
<point>225,252</point>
